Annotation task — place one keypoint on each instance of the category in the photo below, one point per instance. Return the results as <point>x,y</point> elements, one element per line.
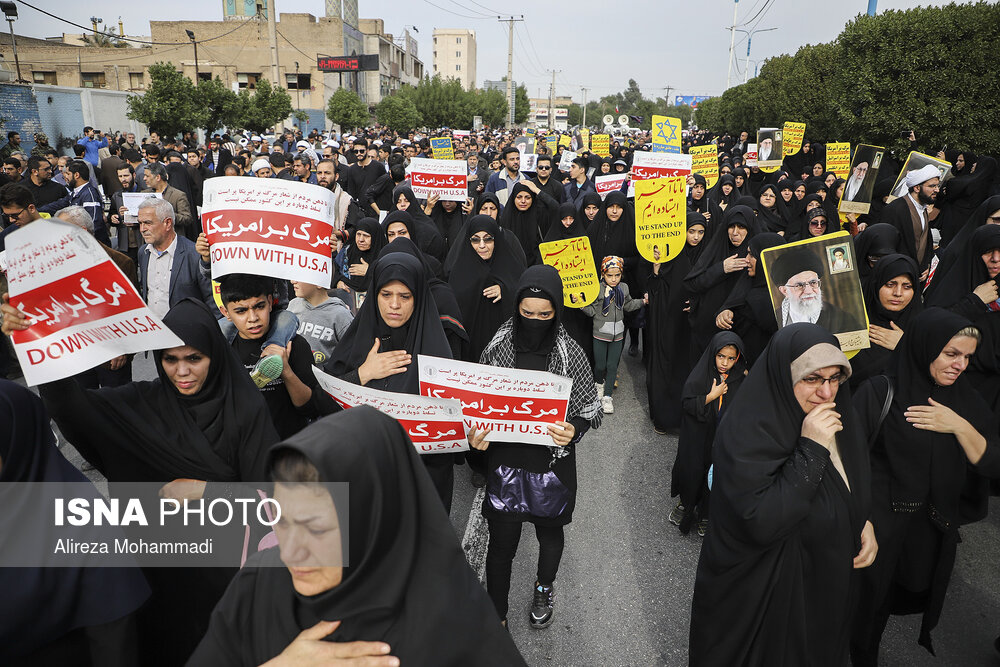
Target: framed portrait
<point>861,178</point>
<point>769,147</point>
<point>915,161</point>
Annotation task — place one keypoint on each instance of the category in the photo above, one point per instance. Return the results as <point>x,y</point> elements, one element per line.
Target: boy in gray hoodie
<point>323,319</point>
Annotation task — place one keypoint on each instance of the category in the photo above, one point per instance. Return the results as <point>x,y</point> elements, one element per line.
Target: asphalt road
<point>623,593</point>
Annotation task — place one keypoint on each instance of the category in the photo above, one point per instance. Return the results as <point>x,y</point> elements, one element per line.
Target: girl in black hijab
<point>923,486</point>
<point>447,222</point>
<point>787,204</point>
<point>489,204</point>
<point>613,233</point>
<point>568,224</point>
<point>589,209</point>
<point>698,199</point>
<point>406,589</point>
<point>787,523</point>
<point>799,228</point>
<point>669,330</point>
<point>483,272</point>
<point>398,320</point>
<point>55,615</point>
<point>528,214</point>
<point>712,279</point>
<point>892,299</point>
<point>724,193</point>
<point>572,224</point>
<point>528,482</point>
<point>873,243</point>
<point>961,197</point>
<point>366,241</point>
<point>766,208</point>
<point>708,392</point>
<point>422,229</point>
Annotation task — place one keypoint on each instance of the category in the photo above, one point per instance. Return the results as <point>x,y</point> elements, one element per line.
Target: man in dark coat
<point>908,214</point>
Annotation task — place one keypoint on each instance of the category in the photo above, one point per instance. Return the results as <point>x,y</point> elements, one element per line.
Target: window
<point>204,76</point>
<point>48,78</point>
<point>136,81</point>
<point>298,81</point>
<point>435,68</point>
<point>458,54</point>
<point>458,68</point>
<point>435,41</point>
<point>93,80</point>
<point>247,80</point>
<point>458,40</point>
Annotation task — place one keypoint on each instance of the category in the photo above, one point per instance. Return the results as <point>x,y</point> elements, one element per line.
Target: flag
<point>616,109</point>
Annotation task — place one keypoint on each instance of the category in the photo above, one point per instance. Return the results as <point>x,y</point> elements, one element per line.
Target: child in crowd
<point>323,319</point>
<point>608,312</point>
<point>293,396</point>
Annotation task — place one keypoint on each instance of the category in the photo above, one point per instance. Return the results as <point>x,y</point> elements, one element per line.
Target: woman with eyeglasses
<point>788,518</point>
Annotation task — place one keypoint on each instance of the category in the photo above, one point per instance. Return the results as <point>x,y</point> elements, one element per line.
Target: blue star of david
<point>660,131</point>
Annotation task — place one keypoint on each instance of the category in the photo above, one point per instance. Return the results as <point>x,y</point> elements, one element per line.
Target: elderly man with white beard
<point>798,273</point>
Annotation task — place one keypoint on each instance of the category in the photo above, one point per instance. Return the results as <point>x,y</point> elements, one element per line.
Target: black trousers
<point>504,538</point>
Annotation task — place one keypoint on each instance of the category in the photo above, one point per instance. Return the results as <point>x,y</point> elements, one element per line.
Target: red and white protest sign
<point>646,166</point>
<point>609,183</point>
<point>433,424</point>
<point>448,178</point>
<point>269,227</point>
<point>83,310</point>
<point>516,405</point>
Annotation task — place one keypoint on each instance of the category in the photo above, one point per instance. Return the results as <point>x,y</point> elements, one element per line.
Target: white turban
<point>259,164</point>
<point>918,176</point>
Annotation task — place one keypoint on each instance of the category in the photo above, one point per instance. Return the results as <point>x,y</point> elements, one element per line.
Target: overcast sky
<point>598,44</point>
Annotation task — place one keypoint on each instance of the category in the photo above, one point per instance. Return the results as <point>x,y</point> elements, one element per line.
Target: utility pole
<point>552,93</point>
<point>750,34</point>
<point>191,37</point>
<point>668,89</point>
<point>10,13</point>
<point>872,7</point>
<point>732,43</point>
<point>510,21</point>
<point>584,123</point>
<point>272,34</point>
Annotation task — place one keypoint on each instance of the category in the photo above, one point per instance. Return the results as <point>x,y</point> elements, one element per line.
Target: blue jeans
<point>606,358</point>
<point>283,327</point>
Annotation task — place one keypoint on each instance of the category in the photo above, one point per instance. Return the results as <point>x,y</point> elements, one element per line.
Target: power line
<point>293,45</point>
<point>445,9</point>
<point>484,7</point>
<point>471,9</point>
<point>761,13</point>
<point>532,43</point>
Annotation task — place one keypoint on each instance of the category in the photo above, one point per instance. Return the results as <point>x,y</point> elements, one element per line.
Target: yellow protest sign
<point>584,137</point>
<point>794,132</point>
<point>660,217</point>
<point>574,261</point>
<point>838,158</point>
<point>666,134</point>
<point>551,142</point>
<point>601,144</point>
<point>530,131</point>
<point>217,293</point>
<point>564,140</point>
<point>442,148</point>
<point>705,161</point>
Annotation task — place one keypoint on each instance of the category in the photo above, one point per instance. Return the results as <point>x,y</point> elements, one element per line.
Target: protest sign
<point>564,140</point>
<point>566,160</point>
<point>816,280</point>
<point>131,201</point>
<point>448,178</point>
<point>769,147</point>
<point>660,217</point>
<point>529,161</point>
<point>269,227</point>
<point>574,261</point>
<point>434,424</point>
<point>609,183</point>
<point>531,131</point>
<point>584,138</point>
<point>913,162</point>
<point>442,148</point>
<point>524,144</point>
<point>838,158</point>
<point>858,190</point>
<point>794,132</point>
<point>82,309</point>
<point>459,134</point>
<point>750,157</point>
<point>705,161</point>
<point>551,143</point>
<point>516,405</point>
<point>601,144</point>
<point>666,134</point>
<point>647,165</point>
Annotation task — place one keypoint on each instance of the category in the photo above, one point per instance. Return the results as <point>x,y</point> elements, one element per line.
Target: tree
<point>171,105</point>
<point>268,105</point>
<point>574,115</point>
<point>398,113</point>
<point>346,109</point>
<point>221,105</point>
<point>521,105</point>
<point>106,39</point>
<point>492,106</point>
<point>300,116</point>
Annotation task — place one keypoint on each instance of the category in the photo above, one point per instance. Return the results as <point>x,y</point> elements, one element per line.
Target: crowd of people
<point>829,490</point>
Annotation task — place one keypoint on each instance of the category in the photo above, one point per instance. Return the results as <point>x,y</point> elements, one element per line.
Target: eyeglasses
<point>817,223</point>
<point>801,287</point>
<point>543,168</point>
<point>818,380</point>
<point>14,216</point>
<point>481,240</point>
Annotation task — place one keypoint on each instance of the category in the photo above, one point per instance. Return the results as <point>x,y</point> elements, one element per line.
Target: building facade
<point>455,55</point>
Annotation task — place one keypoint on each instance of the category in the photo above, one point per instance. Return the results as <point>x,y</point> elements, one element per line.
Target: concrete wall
<point>20,113</point>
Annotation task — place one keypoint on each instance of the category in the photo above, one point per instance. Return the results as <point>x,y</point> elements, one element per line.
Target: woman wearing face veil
<point>66,616</point>
<point>483,271</point>
<point>406,594</point>
<point>929,455</point>
<point>397,321</point>
<point>530,482</point>
<point>787,526</point>
<point>669,330</point>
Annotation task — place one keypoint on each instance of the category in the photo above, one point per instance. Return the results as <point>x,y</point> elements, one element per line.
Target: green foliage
<point>398,113</point>
<point>221,105</point>
<point>170,105</point>
<point>924,69</point>
<point>574,115</point>
<point>301,116</point>
<point>106,39</point>
<point>347,110</point>
<point>492,106</point>
<point>521,105</point>
<point>267,106</point>
<point>444,103</point>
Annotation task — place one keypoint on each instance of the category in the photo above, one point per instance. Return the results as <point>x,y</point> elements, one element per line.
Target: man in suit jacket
<point>156,177</point>
<point>168,262</point>
<point>218,156</point>
<point>908,214</point>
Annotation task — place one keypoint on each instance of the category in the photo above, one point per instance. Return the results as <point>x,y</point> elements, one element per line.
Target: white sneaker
<point>599,386</point>
<point>608,405</point>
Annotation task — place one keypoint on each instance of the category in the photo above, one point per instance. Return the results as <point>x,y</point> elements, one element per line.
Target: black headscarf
<point>799,227</point>
<point>447,223</point>
<point>421,334</point>
<point>718,197</point>
<point>777,503</point>
<point>876,240</point>
<point>469,275</point>
<point>528,226</point>
<point>354,256</point>
<point>963,194</point>
<point>408,582</point>
<point>770,218</point>
<point>40,605</point>
<point>489,197</point>
<point>422,229</point>
<point>581,217</point>
<point>533,339</point>
<point>699,205</point>
<point>614,238</point>
<point>558,231</point>
<point>962,270</point>
<point>750,301</point>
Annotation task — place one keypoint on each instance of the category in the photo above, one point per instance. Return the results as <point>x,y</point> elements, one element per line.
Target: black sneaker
<point>702,527</point>
<point>677,514</point>
<point>541,606</point>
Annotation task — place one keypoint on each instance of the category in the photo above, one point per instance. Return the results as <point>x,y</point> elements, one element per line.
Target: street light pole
<point>750,34</point>
<point>732,43</point>
<point>10,13</point>
<point>193,42</point>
